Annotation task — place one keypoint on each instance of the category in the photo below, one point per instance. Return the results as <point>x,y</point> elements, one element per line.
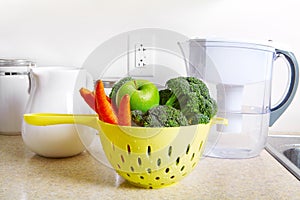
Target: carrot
<point>124,114</point>
<point>103,107</point>
<point>88,96</point>
<point>108,99</point>
<point>114,107</point>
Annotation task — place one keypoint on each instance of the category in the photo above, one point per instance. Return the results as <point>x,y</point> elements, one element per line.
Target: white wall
<point>65,32</point>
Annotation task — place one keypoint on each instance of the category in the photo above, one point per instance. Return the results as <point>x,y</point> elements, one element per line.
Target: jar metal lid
<point>16,62</point>
<point>10,67</point>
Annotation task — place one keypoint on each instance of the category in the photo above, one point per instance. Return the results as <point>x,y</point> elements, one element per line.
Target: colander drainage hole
<point>188,149</point>
<point>149,170</point>
<point>141,177</point>
<point>167,170</point>
<point>177,160</point>
<point>172,177</point>
<point>139,161</point>
<point>149,150</point>
<point>170,151</point>
<point>158,162</point>
<point>200,145</point>
<point>132,169</point>
<point>194,164</point>
<point>122,158</point>
<point>157,178</point>
<point>128,149</point>
<point>193,155</point>
<point>182,168</point>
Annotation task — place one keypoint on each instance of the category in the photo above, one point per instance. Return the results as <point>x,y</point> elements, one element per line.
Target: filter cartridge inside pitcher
<point>248,121</point>
<point>229,103</point>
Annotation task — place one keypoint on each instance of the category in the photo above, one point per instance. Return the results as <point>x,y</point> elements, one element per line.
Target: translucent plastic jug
<point>242,75</point>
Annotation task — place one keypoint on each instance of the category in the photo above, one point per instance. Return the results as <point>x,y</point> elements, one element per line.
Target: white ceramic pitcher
<point>56,90</point>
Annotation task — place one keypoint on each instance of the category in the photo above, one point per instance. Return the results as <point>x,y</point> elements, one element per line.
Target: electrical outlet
<point>143,60</point>
<point>140,56</point>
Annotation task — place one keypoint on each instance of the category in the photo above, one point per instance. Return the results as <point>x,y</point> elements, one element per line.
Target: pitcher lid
<point>221,42</point>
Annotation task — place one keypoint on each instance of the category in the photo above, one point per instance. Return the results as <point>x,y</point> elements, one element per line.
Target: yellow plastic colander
<point>146,157</point>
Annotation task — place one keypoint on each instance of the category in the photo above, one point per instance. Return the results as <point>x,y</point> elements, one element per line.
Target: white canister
<point>14,93</point>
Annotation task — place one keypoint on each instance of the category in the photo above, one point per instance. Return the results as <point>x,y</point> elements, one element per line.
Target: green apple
<point>143,94</point>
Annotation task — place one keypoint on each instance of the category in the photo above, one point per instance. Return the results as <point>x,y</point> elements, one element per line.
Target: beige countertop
<point>25,175</point>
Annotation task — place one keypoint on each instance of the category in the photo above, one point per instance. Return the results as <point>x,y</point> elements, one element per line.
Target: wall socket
<point>143,61</point>
<point>140,55</point>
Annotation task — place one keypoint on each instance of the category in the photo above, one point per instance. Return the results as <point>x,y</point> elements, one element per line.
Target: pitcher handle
<point>277,111</point>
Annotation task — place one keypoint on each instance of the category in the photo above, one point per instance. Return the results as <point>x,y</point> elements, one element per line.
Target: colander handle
<point>277,111</point>
<point>219,120</point>
<point>46,119</point>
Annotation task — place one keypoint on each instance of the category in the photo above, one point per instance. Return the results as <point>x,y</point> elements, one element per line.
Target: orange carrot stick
<point>103,107</point>
<point>88,97</point>
<point>124,114</point>
<point>108,99</point>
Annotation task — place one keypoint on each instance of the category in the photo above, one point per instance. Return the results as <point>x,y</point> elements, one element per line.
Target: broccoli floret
<point>214,107</point>
<point>198,86</point>
<point>198,119</point>
<point>159,116</point>
<point>164,96</point>
<point>137,117</point>
<point>193,98</point>
<point>116,87</point>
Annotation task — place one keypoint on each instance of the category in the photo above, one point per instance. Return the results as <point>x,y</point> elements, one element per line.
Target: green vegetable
<point>159,116</point>
<point>137,117</point>
<point>164,96</point>
<point>199,119</point>
<point>191,96</point>
<point>116,87</point>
